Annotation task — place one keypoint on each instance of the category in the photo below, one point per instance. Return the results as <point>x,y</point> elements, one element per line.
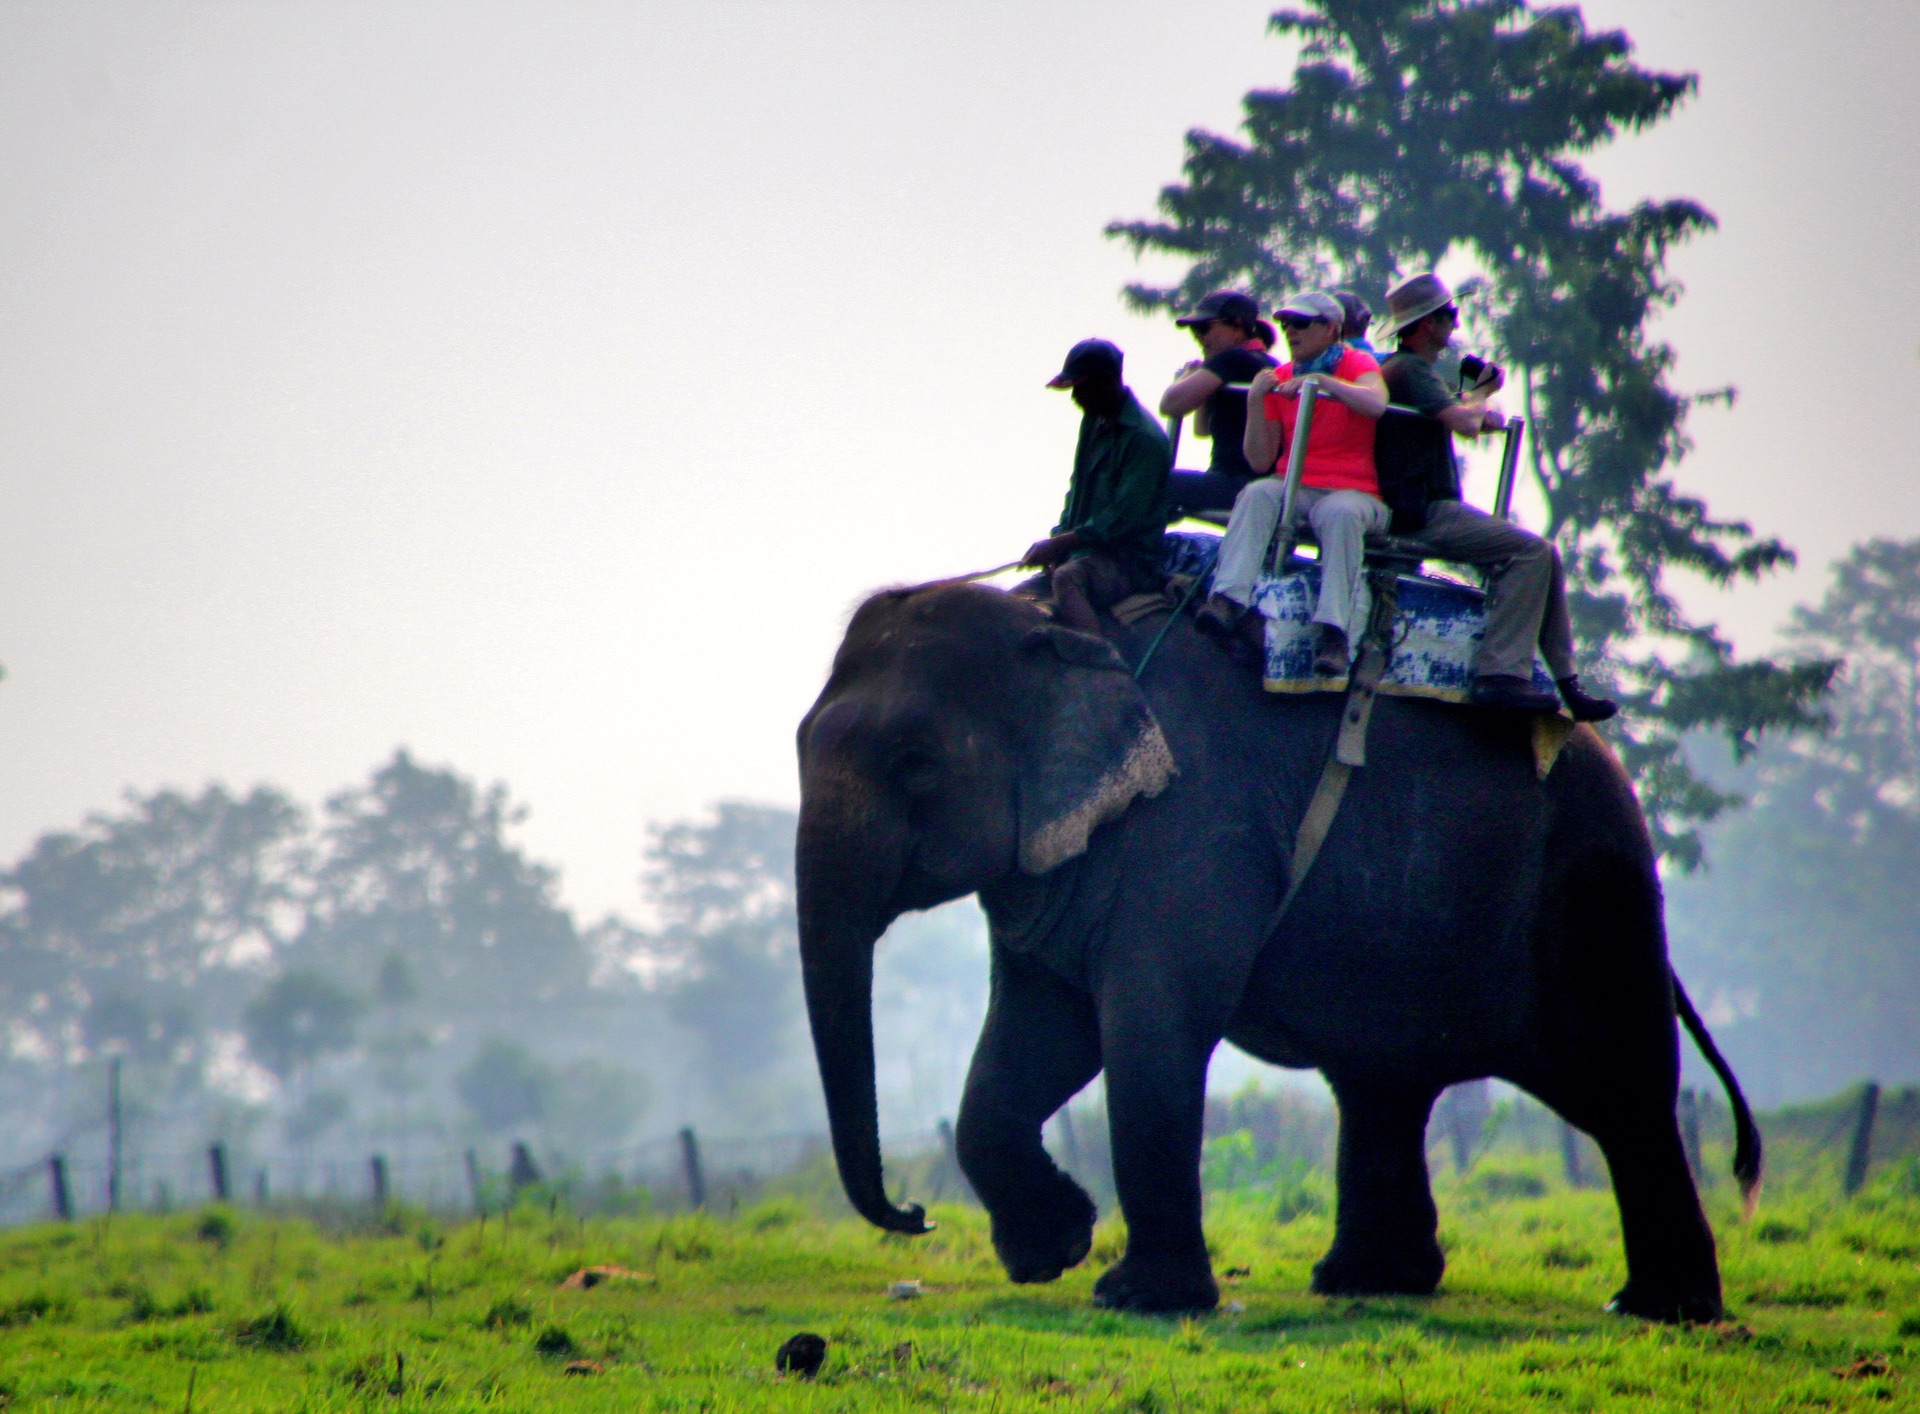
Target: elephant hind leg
<point>1385,1239</point>
<point>1039,1046</point>
<point>1673,1272</point>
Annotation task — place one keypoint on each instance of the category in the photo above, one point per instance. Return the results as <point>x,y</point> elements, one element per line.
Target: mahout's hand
<point>1045,554</point>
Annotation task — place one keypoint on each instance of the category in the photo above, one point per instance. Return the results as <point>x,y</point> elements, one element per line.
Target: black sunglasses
<point>1297,322</point>
<point>1199,328</point>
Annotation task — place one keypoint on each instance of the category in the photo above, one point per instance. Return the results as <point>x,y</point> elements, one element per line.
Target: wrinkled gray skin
<point>1464,919</point>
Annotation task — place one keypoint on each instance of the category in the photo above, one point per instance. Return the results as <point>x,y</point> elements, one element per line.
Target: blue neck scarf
<point>1325,362</point>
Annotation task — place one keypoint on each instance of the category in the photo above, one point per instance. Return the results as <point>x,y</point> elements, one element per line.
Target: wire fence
<point>665,1173</point>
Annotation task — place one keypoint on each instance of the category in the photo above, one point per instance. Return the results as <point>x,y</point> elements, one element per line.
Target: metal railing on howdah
<point>1515,429</point>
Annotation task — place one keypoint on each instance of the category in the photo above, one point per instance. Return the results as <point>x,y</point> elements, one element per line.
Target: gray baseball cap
<point>1314,304</point>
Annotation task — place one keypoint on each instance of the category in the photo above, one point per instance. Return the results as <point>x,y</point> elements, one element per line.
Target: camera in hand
<point>1475,370</point>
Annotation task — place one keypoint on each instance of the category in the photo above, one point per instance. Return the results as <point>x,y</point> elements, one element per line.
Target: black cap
<point>1090,358</point>
<point>1230,305</point>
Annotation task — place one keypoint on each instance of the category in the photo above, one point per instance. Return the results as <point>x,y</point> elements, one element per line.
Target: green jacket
<point>1117,500</point>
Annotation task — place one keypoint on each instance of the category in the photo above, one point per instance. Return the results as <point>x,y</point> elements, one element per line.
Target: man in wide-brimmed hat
<point>1420,479</point>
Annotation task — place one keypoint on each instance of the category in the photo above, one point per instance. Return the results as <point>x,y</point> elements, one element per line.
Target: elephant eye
<point>916,773</point>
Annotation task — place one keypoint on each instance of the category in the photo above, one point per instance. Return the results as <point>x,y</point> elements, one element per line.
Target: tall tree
<point>728,949</point>
<point>143,929</point>
<point>1423,131</point>
<point>418,884</point>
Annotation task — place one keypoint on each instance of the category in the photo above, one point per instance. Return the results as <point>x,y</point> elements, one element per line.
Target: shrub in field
<point>555,1344</point>
<point>507,1311</point>
<point>215,1226</point>
<point>1503,1184</point>
<point>687,1239</point>
<point>1299,1191</point>
<point>273,1329</point>
<point>28,1309</point>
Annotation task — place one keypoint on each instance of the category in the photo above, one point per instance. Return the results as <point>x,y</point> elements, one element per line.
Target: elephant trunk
<point>843,879</point>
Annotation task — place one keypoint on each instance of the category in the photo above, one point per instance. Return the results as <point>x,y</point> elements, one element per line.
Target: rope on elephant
<point>1178,609</point>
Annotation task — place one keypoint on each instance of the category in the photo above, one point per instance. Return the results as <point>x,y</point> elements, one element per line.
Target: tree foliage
<point>419,889</point>
<point>298,1018</point>
<point>1418,133</point>
<point>117,936</point>
<point>727,949</point>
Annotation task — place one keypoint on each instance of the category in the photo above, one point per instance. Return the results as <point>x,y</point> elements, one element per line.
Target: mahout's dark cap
<point>1090,358</point>
<point>1230,305</point>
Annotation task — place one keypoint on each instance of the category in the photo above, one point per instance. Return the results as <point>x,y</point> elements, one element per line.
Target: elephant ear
<point>1090,746</point>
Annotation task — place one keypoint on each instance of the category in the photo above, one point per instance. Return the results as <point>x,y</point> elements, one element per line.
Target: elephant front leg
<point>1156,1100</point>
<point>1038,1048</point>
<point>1384,1234</point>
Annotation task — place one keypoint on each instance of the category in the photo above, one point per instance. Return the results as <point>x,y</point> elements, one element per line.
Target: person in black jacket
<point>1214,389</point>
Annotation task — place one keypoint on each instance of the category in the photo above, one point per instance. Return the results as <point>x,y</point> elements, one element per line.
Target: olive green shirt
<point>1117,500</point>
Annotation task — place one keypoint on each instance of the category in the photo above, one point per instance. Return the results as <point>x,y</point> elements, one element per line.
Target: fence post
<point>260,1188</point>
<point>524,1172</point>
<point>1688,1106</point>
<point>217,1170</point>
<point>57,1178</point>
<point>1860,1152</point>
<point>690,1158</point>
<point>113,1135</point>
<point>473,1182</point>
<point>377,1165</point>
<point>1570,1155</point>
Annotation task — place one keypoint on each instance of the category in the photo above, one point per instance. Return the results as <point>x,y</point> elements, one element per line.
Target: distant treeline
<point>396,973</point>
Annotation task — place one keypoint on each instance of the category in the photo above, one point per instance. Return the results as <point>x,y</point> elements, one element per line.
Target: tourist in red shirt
<point>1339,493</point>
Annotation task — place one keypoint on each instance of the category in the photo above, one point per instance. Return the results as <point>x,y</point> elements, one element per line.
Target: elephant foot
<point>1157,1286</point>
<point>1412,1270</point>
<point>1046,1235</point>
<point>1668,1307</point>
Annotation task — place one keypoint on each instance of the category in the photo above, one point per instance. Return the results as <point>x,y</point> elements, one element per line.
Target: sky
<point>537,386</point>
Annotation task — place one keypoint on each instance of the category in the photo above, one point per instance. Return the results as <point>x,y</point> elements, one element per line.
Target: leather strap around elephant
<point>1350,746</point>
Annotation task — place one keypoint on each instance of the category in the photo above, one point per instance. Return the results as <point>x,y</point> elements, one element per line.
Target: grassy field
<point>284,1314</point>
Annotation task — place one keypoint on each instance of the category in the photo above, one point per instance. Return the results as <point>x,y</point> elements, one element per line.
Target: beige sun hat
<point>1412,300</point>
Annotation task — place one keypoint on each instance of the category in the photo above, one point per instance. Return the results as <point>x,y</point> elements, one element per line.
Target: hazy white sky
<point>537,385</point>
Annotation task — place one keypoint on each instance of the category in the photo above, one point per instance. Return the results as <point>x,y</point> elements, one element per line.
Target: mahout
<point>1129,840</point>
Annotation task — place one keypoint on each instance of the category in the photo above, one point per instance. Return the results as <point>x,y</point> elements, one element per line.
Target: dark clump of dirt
<point>801,1355</point>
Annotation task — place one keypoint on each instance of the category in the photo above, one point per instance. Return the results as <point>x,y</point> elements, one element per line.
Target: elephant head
<point>961,737</point>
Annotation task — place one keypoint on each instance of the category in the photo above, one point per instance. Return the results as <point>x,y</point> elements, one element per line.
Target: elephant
<point>1129,835</point>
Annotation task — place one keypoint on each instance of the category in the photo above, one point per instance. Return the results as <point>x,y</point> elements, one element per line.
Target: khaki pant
<point>1527,594</point>
<point>1340,520</point>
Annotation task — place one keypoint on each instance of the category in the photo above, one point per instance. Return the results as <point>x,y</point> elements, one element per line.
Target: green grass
<point>279,1314</point>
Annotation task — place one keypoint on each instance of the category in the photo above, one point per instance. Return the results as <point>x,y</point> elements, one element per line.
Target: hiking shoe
<point>1331,658</point>
<point>1584,705</point>
<point>1218,617</point>
<point>1511,693</point>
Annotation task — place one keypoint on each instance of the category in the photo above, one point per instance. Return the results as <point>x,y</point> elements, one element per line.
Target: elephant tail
<point>1746,1134</point>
